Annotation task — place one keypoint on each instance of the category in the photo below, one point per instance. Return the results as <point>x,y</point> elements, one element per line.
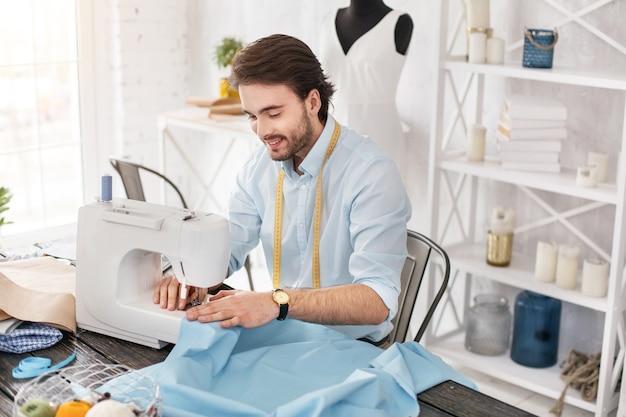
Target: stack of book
<point>530,133</point>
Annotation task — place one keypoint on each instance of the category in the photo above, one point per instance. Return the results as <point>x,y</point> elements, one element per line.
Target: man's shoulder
<point>362,146</point>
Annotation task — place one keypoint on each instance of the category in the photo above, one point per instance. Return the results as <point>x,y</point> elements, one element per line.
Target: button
<point>303,187</point>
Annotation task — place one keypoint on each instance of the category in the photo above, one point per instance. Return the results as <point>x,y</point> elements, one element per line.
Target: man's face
<point>279,118</point>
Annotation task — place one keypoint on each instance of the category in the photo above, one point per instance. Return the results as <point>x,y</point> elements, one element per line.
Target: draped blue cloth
<point>292,368</point>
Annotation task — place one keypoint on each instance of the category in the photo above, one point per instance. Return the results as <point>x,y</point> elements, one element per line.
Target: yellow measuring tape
<point>278,218</point>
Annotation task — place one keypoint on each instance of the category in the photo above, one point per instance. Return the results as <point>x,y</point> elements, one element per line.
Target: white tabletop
<point>197,118</point>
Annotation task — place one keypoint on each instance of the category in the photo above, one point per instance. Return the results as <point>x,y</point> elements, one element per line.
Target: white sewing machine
<point>118,264</point>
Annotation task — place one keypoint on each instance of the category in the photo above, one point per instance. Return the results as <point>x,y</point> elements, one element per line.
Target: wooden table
<point>445,399</point>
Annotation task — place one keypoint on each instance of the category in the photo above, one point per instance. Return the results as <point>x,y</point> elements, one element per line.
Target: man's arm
<point>340,305</point>
<point>351,304</point>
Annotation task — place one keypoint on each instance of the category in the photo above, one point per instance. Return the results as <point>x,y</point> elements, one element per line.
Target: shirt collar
<point>312,163</point>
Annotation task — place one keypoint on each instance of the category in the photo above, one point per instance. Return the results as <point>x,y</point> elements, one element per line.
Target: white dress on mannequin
<point>366,80</point>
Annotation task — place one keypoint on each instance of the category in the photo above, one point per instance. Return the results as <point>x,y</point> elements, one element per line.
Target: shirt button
<point>303,187</point>
<point>301,225</point>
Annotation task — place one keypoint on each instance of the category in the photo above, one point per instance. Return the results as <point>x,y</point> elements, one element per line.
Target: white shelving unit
<point>455,215</point>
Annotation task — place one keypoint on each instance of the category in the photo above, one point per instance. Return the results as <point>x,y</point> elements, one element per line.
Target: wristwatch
<point>281,298</point>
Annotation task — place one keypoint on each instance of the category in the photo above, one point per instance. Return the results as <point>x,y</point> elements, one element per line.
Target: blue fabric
<point>292,368</point>
<point>364,218</point>
<point>29,337</point>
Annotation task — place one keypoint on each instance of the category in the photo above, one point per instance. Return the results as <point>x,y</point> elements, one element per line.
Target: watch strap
<point>282,313</point>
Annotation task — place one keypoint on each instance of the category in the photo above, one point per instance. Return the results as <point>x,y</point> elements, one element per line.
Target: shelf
<point>519,274</point>
<point>456,188</point>
<point>599,79</point>
<point>563,183</point>
<point>545,381</point>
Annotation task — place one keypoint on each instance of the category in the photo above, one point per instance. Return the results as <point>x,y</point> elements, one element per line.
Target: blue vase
<point>536,324</point>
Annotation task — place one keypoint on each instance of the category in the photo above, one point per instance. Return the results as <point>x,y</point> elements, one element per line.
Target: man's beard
<point>299,139</point>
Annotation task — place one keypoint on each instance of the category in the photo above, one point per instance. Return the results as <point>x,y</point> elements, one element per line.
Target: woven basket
<point>539,48</point>
<point>126,386</point>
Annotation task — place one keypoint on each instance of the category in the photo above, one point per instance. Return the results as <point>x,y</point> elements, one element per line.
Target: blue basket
<point>539,48</point>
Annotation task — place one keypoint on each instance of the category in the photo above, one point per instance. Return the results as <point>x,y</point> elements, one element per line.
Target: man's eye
<point>273,115</point>
<point>251,117</point>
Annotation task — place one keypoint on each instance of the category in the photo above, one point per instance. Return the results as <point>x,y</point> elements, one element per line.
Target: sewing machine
<point>118,265</point>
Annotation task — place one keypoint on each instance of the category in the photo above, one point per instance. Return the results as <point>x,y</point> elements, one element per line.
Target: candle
<point>567,266</point>
<point>601,161</point>
<point>502,220</point>
<point>545,262</point>
<point>477,13</point>
<point>477,45</point>
<point>587,176</point>
<point>476,143</point>
<point>495,51</point>
<point>500,236</point>
<point>595,277</point>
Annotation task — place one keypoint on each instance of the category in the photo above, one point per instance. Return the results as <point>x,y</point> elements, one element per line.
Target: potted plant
<point>224,53</point>
<point>5,198</point>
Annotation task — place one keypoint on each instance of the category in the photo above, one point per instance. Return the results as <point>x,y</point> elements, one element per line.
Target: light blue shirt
<point>363,227</point>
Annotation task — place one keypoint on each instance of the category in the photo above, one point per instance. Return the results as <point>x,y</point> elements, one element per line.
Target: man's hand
<point>236,308</point>
<point>167,294</point>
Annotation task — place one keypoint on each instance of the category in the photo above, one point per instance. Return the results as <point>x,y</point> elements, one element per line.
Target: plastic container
<point>536,325</point>
<point>488,325</point>
<point>77,382</point>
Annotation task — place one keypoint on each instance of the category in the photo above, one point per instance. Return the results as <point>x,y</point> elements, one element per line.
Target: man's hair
<point>282,59</point>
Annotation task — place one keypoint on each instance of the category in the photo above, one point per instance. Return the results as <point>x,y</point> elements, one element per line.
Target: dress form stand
<point>363,50</point>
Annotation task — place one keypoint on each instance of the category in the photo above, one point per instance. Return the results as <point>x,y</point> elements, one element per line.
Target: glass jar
<point>536,325</point>
<point>488,325</point>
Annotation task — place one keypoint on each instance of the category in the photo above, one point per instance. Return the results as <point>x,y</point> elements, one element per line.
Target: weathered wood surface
<point>452,399</point>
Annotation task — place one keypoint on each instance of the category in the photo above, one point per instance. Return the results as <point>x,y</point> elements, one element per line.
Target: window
<point>40,142</point>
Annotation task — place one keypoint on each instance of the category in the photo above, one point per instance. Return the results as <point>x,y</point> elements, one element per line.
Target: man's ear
<point>313,102</point>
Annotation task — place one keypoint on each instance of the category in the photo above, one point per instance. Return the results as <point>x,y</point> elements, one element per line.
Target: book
<point>526,107</point>
<point>541,133</point>
<point>524,156</point>
<point>532,166</point>
<point>504,145</point>
<point>510,124</point>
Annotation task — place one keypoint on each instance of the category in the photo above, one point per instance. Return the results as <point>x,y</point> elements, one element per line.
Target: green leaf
<point>5,199</point>
<point>226,51</point>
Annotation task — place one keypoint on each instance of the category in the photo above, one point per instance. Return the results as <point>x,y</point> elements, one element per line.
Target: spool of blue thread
<point>107,188</point>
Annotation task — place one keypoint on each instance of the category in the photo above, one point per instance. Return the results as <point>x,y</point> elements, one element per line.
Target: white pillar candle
<point>595,277</point>
<point>601,161</point>
<point>587,176</point>
<point>477,46</point>
<point>567,266</point>
<point>477,13</point>
<point>502,220</point>
<point>476,143</point>
<point>495,51</point>
<point>545,262</point>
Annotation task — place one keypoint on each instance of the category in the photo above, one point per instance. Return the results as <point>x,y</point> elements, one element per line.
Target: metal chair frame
<point>420,248</point>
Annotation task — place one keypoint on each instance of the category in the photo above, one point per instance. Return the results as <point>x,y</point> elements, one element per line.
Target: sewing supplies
<point>37,408</point>
<point>106,193</point>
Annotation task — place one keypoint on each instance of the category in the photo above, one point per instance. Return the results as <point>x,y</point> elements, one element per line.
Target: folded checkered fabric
<point>29,337</point>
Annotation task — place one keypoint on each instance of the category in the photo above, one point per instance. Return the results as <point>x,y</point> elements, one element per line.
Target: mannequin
<point>362,15</point>
<point>363,49</point>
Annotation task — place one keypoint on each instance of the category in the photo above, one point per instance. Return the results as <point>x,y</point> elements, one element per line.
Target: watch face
<point>281,297</point>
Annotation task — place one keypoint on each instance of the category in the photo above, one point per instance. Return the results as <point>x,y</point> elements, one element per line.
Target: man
<point>335,252</point>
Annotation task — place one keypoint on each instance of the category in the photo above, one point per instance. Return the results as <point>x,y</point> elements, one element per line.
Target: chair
<point>420,248</point>
<point>130,173</point>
